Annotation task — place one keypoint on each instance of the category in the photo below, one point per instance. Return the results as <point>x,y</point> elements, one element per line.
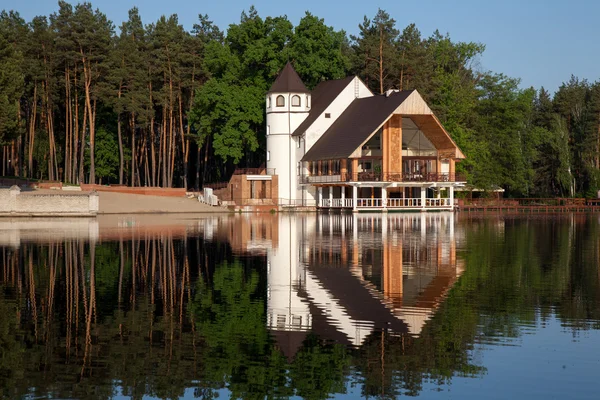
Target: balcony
<point>381,177</point>
<point>390,204</point>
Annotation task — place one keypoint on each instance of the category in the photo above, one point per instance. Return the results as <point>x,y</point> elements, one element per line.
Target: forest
<point>152,104</point>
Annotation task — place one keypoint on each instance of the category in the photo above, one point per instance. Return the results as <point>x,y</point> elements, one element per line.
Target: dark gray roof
<point>355,125</point>
<point>321,98</point>
<point>356,299</point>
<point>288,81</point>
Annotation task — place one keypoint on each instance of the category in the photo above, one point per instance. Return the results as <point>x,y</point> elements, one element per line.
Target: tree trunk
<point>82,150</point>
<point>381,59</point>
<point>68,132</point>
<point>32,123</point>
<point>132,129</point>
<point>121,157</point>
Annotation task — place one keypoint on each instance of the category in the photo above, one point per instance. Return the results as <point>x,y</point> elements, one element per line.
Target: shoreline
<point>114,203</point>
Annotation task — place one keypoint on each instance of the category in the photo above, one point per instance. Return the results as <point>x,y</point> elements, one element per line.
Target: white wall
<point>284,268</point>
<point>335,109</point>
<point>283,151</point>
<point>281,147</point>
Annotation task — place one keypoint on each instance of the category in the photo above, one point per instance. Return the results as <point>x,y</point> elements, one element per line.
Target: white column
<point>320,196</point>
<point>384,198</point>
<point>451,189</point>
<point>343,188</point>
<point>354,198</point>
<point>423,193</point>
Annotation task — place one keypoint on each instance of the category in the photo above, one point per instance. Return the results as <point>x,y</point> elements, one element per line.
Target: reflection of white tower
<point>288,104</point>
<point>286,277</point>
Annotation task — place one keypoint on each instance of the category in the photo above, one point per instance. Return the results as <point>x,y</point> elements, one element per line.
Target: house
<point>341,146</point>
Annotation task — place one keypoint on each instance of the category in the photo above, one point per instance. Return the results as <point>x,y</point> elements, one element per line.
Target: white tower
<point>288,104</point>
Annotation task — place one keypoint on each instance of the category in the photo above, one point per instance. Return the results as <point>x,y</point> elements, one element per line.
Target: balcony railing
<point>392,203</point>
<point>381,177</point>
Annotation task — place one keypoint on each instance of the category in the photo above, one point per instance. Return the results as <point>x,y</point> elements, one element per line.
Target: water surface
<point>314,306</point>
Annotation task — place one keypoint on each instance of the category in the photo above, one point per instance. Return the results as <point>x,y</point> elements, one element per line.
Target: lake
<point>434,305</point>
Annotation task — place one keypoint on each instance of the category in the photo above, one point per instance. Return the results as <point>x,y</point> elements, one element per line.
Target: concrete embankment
<point>50,203</point>
<point>15,202</point>
<point>121,203</point>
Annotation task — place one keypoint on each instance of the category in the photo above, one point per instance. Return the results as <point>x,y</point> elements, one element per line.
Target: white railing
<point>369,203</point>
<point>325,203</point>
<point>337,203</point>
<point>404,202</point>
<point>389,203</point>
<point>442,202</point>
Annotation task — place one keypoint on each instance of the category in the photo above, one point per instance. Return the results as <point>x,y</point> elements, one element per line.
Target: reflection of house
<point>345,277</point>
<point>342,146</point>
<point>245,233</point>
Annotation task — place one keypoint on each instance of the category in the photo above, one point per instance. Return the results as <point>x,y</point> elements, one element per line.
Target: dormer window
<point>280,102</point>
<point>295,101</point>
<point>307,101</point>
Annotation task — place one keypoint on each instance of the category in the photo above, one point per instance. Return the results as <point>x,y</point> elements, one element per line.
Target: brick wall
<point>150,191</point>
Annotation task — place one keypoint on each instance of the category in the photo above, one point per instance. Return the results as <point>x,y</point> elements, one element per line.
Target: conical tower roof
<point>288,81</point>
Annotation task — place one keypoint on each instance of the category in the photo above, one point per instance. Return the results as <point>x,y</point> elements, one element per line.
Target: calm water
<point>306,306</point>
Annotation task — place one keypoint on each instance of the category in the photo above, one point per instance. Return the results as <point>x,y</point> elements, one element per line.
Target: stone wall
<point>13,202</point>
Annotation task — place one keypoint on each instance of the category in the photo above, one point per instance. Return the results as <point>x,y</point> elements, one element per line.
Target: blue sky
<point>540,42</point>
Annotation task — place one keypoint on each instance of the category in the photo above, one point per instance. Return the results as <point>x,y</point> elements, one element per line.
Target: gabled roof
<point>323,95</point>
<point>288,81</point>
<point>361,119</point>
<point>365,116</point>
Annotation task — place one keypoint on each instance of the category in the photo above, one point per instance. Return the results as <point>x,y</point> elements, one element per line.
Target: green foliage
<point>11,87</point>
<point>107,155</point>
<point>318,51</point>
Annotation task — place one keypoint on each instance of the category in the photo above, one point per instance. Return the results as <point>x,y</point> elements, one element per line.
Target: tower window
<point>269,102</point>
<point>307,101</point>
<point>268,156</point>
<point>280,102</point>
<point>268,130</point>
<point>296,101</point>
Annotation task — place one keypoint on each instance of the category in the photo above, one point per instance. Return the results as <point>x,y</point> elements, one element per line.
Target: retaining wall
<point>13,202</point>
<point>151,191</point>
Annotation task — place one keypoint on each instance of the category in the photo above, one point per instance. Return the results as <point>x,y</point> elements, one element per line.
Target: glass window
<point>268,130</point>
<point>268,156</point>
<point>296,101</point>
<point>280,102</point>
<point>269,102</point>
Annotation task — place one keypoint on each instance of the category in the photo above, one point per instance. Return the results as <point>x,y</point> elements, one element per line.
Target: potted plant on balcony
<point>377,170</point>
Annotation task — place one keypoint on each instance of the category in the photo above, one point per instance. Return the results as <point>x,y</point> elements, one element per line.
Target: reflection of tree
<point>536,268</point>
<point>238,352</point>
<point>319,369</point>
